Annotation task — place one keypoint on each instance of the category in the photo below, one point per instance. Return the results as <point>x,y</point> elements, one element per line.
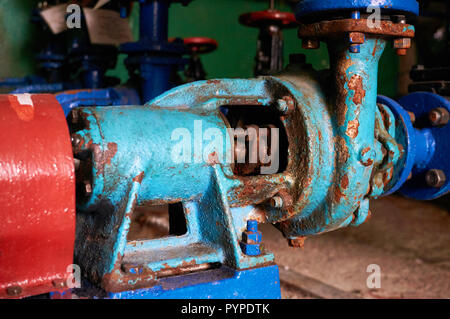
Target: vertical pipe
<point>153,26</point>
<point>155,80</point>
<point>356,77</point>
<point>153,20</point>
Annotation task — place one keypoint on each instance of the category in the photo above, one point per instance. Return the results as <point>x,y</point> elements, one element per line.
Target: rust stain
<point>103,158</point>
<point>344,181</point>
<point>369,161</point>
<point>336,28</point>
<point>375,48</point>
<point>352,128</point>
<point>213,81</point>
<point>338,194</point>
<point>342,150</point>
<point>139,178</point>
<point>356,84</point>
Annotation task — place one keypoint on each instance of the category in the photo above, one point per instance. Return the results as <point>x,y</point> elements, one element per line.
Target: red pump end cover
<point>37,196</point>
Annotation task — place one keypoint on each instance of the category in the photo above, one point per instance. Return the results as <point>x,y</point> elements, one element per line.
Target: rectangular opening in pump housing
<point>159,221</point>
<point>260,139</point>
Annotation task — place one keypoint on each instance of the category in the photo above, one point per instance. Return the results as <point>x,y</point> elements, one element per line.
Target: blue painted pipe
<point>154,20</point>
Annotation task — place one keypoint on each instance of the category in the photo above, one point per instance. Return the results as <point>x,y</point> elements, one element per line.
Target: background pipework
<point>217,19</point>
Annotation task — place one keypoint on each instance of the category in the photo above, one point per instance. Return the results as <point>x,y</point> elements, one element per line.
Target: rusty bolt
<point>76,141</point>
<point>435,178</point>
<point>282,106</point>
<point>439,116</point>
<point>310,44</point>
<point>355,40</point>
<point>76,163</point>
<point>412,116</point>
<point>58,283</point>
<point>367,156</point>
<point>87,188</point>
<point>401,52</point>
<point>401,45</point>
<point>286,104</point>
<point>276,202</point>
<point>297,242</point>
<point>14,290</point>
<point>75,116</point>
<point>132,269</point>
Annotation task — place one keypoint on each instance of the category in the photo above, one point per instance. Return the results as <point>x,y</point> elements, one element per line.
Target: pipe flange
<point>337,28</point>
<point>421,185</point>
<point>307,9</point>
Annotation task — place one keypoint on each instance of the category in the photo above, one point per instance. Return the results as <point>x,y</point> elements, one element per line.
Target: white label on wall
<point>107,27</point>
<point>55,17</point>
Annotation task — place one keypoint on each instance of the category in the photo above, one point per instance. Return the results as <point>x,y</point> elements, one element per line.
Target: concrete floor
<point>409,240</point>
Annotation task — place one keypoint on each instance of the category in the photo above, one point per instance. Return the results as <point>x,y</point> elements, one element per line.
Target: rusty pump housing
<point>336,149</point>
<point>304,150</point>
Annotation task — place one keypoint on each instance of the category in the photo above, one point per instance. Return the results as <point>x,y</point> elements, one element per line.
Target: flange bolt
<point>251,239</point>
<point>276,202</point>
<point>439,116</point>
<point>310,44</point>
<point>435,178</point>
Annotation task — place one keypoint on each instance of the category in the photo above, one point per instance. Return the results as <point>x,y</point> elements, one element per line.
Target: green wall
<point>212,18</point>
<point>16,38</point>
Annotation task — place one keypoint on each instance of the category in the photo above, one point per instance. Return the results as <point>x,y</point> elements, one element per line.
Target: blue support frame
<point>221,283</point>
<point>224,283</point>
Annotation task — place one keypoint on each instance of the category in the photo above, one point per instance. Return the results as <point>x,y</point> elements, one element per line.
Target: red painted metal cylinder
<point>37,196</point>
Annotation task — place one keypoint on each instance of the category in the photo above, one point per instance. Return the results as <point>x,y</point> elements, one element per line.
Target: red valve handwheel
<point>200,44</point>
<point>267,17</point>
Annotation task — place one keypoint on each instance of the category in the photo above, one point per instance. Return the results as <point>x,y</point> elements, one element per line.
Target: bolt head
<point>76,163</point>
<point>356,38</point>
<point>367,156</point>
<point>14,290</point>
<point>252,225</point>
<point>276,202</point>
<point>310,44</point>
<point>75,116</point>
<point>282,106</point>
<point>355,48</point>
<point>87,188</point>
<point>412,116</point>
<point>439,116</point>
<point>252,237</point>
<point>401,52</point>
<point>58,283</point>
<point>435,178</point>
<point>402,43</point>
<point>286,104</point>
<point>298,242</point>
<point>251,249</point>
<point>132,269</point>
